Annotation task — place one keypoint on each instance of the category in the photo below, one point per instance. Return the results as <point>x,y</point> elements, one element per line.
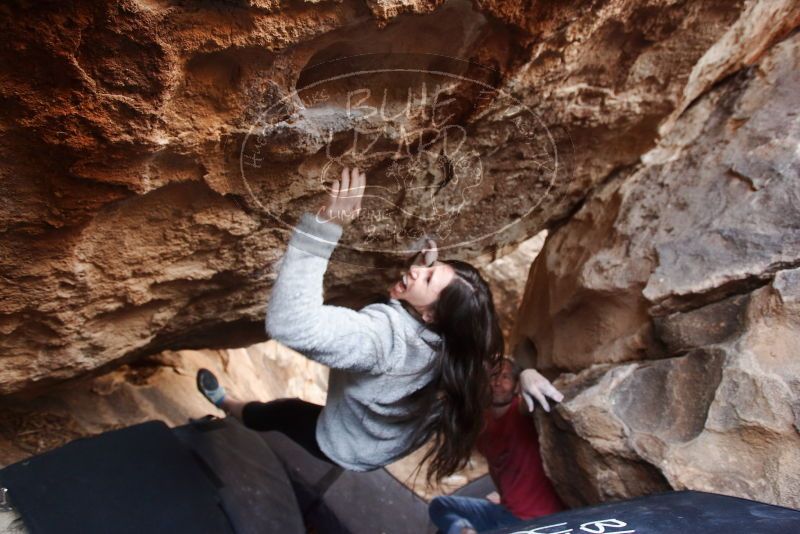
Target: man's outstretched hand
<point>344,204</point>
<point>535,386</point>
<point>493,497</point>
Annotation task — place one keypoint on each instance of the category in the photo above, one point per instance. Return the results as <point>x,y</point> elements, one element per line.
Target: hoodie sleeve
<point>334,336</point>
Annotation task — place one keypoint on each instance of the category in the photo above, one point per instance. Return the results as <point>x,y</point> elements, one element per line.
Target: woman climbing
<point>405,372</point>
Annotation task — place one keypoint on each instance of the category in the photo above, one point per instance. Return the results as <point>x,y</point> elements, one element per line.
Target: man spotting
<point>511,446</point>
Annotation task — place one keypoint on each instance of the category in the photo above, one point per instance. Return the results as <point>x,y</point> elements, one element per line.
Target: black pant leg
<point>295,418</point>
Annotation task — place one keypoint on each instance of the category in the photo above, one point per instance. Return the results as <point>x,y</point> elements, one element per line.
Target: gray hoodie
<point>375,354</point>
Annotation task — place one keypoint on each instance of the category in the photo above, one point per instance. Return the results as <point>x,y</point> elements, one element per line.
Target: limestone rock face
<point>720,417</point>
<point>671,297</point>
<point>127,225</point>
<point>503,275</point>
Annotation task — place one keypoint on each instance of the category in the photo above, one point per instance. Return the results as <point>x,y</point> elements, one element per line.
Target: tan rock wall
<point>671,296</point>
<point>126,227</point>
<point>160,387</point>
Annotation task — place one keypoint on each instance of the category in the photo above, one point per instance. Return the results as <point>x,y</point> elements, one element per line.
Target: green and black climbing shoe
<point>209,386</point>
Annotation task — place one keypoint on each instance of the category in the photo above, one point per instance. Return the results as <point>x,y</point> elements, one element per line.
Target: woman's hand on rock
<point>427,255</point>
<point>344,204</point>
<point>534,386</point>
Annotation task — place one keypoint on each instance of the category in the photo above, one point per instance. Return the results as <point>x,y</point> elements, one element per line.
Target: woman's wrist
<point>340,218</point>
<point>322,218</point>
<point>315,236</point>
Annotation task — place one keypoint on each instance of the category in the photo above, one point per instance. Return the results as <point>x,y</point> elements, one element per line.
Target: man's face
<point>503,384</point>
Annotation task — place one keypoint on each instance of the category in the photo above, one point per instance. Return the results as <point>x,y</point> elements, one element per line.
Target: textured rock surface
<point>507,281</point>
<point>722,417</point>
<point>126,226</point>
<point>673,295</point>
<point>161,386</point>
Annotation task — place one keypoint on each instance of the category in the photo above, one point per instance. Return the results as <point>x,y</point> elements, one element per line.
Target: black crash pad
<point>683,512</point>
<point>133,480</point>
<point>335,501</point>
<point>255,490</point>
<point>212,476</point>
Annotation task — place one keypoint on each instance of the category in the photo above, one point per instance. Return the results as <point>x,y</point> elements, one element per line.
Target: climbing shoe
<point>209,386</point>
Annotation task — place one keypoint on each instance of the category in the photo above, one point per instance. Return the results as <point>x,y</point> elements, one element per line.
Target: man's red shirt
<point>511,446</point>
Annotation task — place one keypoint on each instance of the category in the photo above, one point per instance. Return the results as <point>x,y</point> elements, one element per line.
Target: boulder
<point>668,306</point>
<point>722,417</point>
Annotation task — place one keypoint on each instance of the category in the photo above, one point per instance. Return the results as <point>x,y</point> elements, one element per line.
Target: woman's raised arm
<point>296,316</point>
